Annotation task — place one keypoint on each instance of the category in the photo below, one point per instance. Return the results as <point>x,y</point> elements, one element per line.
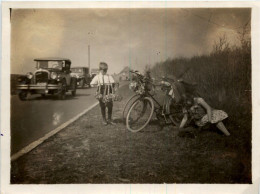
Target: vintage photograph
<point>131,95</point>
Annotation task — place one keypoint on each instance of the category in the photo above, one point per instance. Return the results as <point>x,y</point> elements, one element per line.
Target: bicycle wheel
<point>176,114</point>
<point>139,114</point>
<point>128,104</point>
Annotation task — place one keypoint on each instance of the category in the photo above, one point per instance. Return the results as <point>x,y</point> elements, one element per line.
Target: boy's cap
<point>103,65</point>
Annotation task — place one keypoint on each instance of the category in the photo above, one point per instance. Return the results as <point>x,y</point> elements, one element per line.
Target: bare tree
<point>244,35</point>
<point>147,68</point>
<point>221,44</point>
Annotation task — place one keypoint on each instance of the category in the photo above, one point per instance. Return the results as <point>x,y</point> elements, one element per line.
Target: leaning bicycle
<point>143,104</point>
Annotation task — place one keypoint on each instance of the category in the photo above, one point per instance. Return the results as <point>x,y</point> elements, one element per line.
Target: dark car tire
<point>62,92</point>
<point>73,86</point>
<point>23,95</point>
<point>73,93</point>
<point>82,83</point>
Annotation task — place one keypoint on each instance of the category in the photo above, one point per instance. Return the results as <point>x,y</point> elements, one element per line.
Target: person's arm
<point>112,81</point>
<point>202,102</point>
<point>94,81</point>
<point>184,121</point>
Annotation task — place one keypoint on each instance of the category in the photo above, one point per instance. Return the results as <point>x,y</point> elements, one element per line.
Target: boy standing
<point>106,84</point>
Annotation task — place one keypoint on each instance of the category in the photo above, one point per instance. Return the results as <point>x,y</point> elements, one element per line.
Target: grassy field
<point>88,152</point>
<point>224,81</point>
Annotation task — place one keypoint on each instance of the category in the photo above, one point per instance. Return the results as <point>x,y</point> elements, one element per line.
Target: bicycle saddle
<point>171,80</point>
<point>192,84</point>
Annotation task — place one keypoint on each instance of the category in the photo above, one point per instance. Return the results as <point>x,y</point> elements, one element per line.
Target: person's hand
<point>184,111</point>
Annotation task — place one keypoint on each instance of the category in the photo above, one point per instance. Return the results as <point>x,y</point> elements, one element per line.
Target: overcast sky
<point>120,37</point>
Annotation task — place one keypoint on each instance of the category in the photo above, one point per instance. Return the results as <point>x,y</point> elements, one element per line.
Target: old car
<point>94,72</point>
<point>52,76</point>
<point>82,75</point>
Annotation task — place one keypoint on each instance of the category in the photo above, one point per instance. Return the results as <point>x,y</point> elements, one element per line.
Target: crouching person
<point>202,114</point>
<point>106,84</point>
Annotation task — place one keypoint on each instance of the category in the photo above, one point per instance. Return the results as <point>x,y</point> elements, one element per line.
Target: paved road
<point>34,118</point>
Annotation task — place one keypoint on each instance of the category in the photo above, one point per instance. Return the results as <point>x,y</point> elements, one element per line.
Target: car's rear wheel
<point>73,93</point>
<point>73,87</point>
<point>62,91</point>
<point>23,95</point>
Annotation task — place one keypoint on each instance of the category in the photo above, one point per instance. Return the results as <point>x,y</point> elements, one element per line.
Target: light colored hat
<point>103,65</point>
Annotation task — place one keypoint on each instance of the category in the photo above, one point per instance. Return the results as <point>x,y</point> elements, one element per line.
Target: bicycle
<point>142,105</point>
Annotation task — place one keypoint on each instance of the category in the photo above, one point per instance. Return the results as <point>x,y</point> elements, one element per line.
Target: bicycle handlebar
<point>147,80</point>
<point>164,79</point>
<point>136,72</point>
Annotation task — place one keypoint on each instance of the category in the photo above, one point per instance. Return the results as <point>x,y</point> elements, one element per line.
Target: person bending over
<point>202,114</point>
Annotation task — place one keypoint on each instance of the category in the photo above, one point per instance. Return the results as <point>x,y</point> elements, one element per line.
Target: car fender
<point>67,77</point>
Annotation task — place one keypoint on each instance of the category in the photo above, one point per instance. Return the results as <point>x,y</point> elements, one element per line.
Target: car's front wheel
<point>23,95</point>
<point>62,91</point>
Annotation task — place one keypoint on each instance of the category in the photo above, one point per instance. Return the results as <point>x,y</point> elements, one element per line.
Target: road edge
<point>34,144</point>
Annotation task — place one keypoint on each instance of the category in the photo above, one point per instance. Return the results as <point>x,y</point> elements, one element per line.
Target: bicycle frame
<point>160,108</point>
<point>151,96</point>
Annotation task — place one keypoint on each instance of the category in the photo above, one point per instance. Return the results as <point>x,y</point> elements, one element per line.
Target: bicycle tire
<point>128,104</point>
<point>177,117</point>
<point>131,128</point>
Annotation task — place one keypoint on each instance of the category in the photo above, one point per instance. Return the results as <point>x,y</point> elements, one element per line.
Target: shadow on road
<point>54,98</point>
<point>85,87</point>
<point>82,95</point>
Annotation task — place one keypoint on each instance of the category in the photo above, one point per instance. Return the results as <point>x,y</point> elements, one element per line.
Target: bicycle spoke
<point>140,114</point>
<point>137,112</point>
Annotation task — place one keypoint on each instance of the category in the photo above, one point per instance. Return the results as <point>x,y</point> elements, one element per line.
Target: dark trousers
<point>103,106</point>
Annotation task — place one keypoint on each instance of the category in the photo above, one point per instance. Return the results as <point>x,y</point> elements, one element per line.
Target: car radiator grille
<point>41,77</point>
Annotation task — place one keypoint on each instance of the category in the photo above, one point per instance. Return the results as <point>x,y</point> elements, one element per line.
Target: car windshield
<point>50,64</point>
<point>76,70</point>
<point>94,71</point>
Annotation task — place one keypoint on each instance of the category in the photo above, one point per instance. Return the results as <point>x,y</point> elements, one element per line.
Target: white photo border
<point>6,187</point>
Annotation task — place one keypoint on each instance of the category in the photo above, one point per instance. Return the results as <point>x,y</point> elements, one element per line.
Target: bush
<point>223,77</point>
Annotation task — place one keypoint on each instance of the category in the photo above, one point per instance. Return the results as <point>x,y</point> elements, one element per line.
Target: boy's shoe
<point>111,122</point>
<point>105,122</point>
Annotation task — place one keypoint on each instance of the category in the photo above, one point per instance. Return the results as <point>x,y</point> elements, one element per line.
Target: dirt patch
<point>88,152</point>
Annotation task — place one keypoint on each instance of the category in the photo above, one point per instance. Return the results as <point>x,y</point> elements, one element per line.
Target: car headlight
<point>29,75</point>
<point>54,75</point>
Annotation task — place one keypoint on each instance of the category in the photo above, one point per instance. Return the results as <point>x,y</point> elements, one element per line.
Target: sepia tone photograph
<point>128,96</point>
